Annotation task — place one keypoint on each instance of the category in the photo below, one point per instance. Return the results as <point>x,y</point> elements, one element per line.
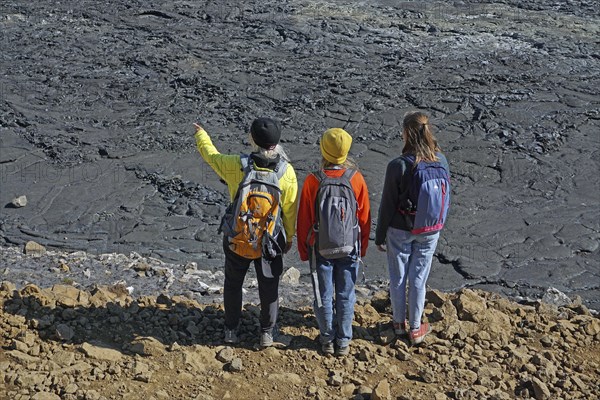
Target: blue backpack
<point>428,196</point>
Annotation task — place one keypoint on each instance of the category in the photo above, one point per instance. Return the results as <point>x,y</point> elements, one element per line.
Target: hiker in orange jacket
<point>334,271</point>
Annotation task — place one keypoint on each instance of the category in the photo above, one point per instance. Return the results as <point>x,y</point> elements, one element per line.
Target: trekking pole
<point>364,267</point>
<point>315,277</point>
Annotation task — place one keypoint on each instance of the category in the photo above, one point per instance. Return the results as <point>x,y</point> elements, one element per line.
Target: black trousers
<point>268,289</point>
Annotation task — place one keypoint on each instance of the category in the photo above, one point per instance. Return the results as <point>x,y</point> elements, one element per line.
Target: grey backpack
<point>337,226</point>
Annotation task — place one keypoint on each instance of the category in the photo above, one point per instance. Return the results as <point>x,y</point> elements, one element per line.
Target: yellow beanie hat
<point>335,145</point>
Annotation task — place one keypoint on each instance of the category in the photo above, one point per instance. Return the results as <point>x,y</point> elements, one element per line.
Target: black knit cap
<point>265,132</point>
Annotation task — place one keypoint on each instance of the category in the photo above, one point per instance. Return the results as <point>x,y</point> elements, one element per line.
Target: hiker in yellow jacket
<point>267,155</point>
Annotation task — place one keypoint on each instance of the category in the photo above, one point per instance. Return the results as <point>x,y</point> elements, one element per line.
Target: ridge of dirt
<point>65,343</point>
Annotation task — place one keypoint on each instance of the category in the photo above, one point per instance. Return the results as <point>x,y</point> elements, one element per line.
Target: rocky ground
<point>97,101</point>
<point>65,343</point>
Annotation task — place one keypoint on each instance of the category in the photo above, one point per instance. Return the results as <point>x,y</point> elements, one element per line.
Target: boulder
<point>147,346</point>
<point>19,202</point>
<point>34,249</point>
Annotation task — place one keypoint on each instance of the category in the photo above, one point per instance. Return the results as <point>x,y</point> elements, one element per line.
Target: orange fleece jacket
<point>306,211</point>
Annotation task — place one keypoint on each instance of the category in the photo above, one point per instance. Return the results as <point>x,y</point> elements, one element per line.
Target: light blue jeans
<point>409,261</point>
<point>335,316</point>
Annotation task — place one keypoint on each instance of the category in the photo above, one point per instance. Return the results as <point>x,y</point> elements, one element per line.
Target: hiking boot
<point>231,336</point>
<point>400,328</point>
<point>342,351</point>
<point>266,339</point>
<point>418,335</point>
<point>327,348</point>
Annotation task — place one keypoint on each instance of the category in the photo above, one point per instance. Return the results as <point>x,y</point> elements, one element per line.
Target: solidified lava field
<point>97,101</point>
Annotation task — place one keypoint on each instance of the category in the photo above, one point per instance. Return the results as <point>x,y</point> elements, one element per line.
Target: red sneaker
<point>418,335</point>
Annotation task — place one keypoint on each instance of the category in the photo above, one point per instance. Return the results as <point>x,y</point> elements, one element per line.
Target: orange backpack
<point>255,213</point>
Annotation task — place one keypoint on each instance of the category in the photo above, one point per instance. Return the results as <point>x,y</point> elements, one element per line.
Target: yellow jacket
<point>229,168</point>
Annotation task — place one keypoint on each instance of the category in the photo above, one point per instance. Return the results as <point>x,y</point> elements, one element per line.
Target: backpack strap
<point>349,174</point>
<point>281,168</point>
<point>321,175</point>
<point>246,163</point>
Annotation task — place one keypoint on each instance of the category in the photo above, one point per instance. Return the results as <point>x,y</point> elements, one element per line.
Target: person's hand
<point>198,127</point>
<point>288,247</point>
<point>381,247</point>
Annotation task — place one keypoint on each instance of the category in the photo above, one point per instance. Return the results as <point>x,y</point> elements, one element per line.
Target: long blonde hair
<point>419,139</point>
<point>272,154</point>
<point>348,164</point>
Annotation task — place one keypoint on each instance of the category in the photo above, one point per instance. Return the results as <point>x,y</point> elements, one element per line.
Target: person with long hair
<point>267,155</point>
<point>335,272</point>
<point>409,251</point>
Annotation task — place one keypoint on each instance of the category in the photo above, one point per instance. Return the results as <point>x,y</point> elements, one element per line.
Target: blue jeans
<point>409,261</point>
<point>335,320</point>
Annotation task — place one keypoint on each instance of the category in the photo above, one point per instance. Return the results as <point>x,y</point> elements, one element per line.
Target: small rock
<point>470,305</point>
<point>381,300</point>
<point>403,355</point>
<point>34,249</point>
<point>145,377</point>
<point>335,380</point>
<point>348,389</point>
<point>141,267</point>
<point>163,299</point>
<point>64,332</point>
<point>19,202</point>
<point>147,346</point>
<point>63,358</point>
<point>592,328</point>
<point>556,297</point>
<point>45,396</point>
<point>20,346</point>
<point>547,341</point>
<point>387,336</point>
<point>236,365</point>
<point>226,355</point>
<point>140,368</point>
<point>382,391</point>
<point>8,287</point>
<point>92,395</point>
<point>540,390</point>
<point>436,297</point>
<point>427,376</point>
<point>101,353</point>
<point>71,388</point>
<point>291,277</point>
<point>192,329</point>
<point>365,391</point>
<point>364,355</point>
